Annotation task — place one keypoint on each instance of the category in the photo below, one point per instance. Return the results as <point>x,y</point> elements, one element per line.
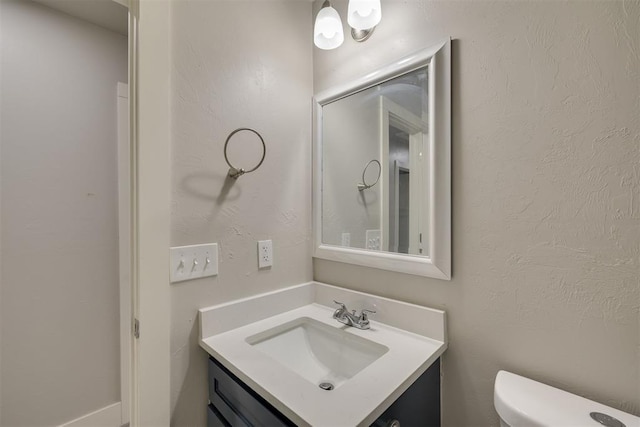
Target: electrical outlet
<point>346,239</point>
<point>265,253</point>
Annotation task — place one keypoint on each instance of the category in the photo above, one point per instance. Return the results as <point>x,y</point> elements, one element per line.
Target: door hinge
<point>136,328</point>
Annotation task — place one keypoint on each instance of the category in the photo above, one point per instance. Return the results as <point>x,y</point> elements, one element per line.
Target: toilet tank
<point>522,402</point>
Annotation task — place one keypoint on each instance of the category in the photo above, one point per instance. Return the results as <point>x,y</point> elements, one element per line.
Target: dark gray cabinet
<point>233,403</point>
<point>419,405</point>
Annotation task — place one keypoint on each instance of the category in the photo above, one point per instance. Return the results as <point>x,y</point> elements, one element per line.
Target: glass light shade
<point>327,32</point>
<point>364,14</point>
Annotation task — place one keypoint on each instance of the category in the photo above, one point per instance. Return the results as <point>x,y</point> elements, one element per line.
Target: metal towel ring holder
<point>363,185</point>
<point>234,172</point>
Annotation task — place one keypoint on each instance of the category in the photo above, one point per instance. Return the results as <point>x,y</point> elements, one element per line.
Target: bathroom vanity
<point>280,358</point>
<point>233,403</point>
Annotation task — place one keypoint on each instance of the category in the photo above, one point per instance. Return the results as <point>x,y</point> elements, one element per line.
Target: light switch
<point>372,239</point>
<point>193,262</point>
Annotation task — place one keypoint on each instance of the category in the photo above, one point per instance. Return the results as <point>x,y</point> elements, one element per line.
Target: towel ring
<point>363,185</point>
<point>234,172</point>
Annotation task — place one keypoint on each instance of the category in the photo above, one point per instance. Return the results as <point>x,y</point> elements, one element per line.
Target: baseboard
<point>109,416</point>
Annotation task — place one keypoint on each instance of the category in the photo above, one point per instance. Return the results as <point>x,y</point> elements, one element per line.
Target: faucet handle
<point>344,307</point>
<point>363,315</point>
<point>340,312</point>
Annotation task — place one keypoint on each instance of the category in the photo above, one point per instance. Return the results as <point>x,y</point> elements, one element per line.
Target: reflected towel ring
<point>364,185</point>
<point>234,172</point>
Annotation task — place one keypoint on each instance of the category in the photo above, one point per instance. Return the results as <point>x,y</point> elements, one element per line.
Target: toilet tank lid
<point>522,401</point>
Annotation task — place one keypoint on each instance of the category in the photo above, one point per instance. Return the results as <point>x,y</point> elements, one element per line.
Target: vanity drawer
<point>237,404</point>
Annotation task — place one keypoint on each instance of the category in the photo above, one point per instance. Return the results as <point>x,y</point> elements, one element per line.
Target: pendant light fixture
<point>363,16</point>
<point>327,31</point>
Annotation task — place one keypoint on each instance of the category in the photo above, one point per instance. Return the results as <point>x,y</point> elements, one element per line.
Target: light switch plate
<point>193,262</point>
<point>372,239</point>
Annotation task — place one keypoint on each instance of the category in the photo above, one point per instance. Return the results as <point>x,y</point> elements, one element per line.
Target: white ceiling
<point>110,14</point>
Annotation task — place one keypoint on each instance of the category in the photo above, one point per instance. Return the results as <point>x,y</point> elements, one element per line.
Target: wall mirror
<point>382,167</point>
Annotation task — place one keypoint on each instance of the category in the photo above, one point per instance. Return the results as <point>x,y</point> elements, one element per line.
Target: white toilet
<point>521,402</point>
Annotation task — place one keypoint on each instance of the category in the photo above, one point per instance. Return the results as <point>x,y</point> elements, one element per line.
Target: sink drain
<point>606,420</point>
<point>326,386</point>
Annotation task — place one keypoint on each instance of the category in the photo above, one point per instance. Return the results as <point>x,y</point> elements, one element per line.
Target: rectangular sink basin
<point>319,353</point>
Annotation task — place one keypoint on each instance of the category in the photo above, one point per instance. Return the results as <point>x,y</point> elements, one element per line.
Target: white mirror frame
<point>438,264</point>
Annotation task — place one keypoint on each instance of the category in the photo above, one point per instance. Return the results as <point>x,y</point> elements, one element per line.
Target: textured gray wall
<point>546,136</point>
<point>237,64</point>
<point>59,283</point>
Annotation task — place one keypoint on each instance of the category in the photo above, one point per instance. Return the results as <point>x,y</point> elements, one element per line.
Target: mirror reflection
<point>375,178</point>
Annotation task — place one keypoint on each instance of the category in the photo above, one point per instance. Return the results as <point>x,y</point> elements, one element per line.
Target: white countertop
<point>361,399</point>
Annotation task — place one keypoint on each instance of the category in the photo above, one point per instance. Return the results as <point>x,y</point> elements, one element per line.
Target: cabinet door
<point>237,403</point>
<point>419,406</point>
<point>215,418</point>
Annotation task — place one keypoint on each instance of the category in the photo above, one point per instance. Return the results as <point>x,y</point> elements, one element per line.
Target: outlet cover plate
<point>265,253</point>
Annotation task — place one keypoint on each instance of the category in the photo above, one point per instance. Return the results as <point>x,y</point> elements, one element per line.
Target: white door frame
<point>392,114</point>
<point>124,248</point>
<point>149,95</point>
<point>419,181</point>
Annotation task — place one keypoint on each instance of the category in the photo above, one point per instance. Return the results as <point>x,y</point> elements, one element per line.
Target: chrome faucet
<point>342,315</point>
